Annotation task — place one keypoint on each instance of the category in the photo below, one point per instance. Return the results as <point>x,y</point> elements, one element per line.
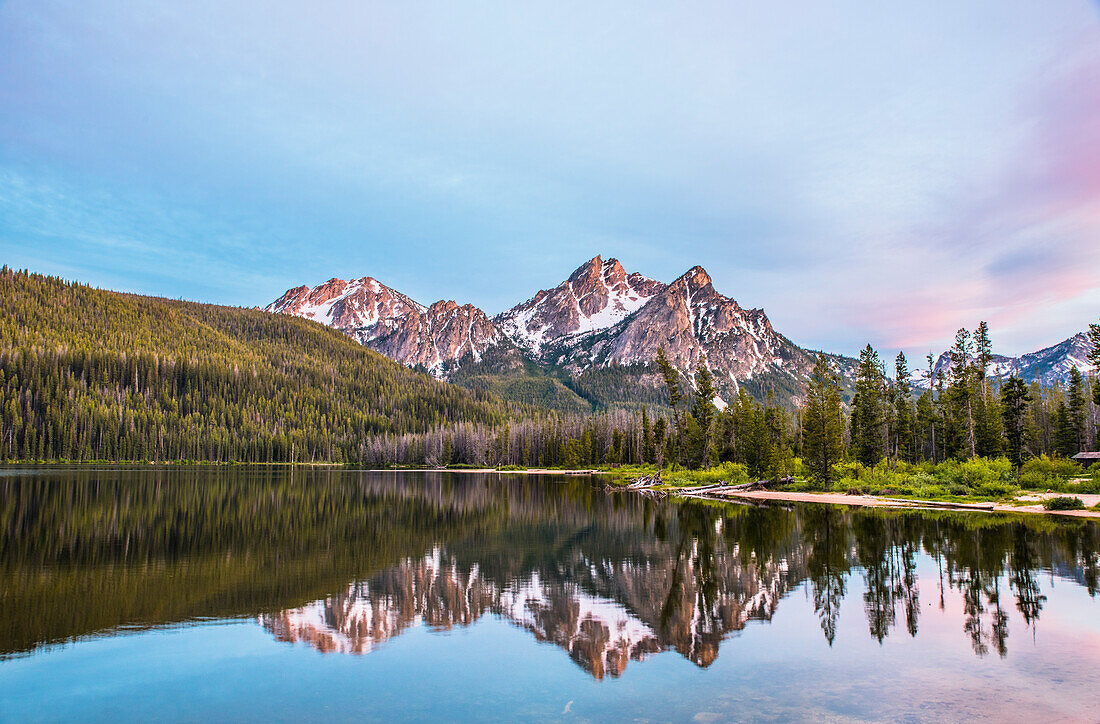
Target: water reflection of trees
<point>154,547</point>
<point>826,535</point>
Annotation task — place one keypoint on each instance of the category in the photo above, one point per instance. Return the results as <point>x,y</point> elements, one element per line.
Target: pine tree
<point>660,431</point>
<point>648,454</point>
<point>824,432</point>
<point>963,373</point>
<point>1014,399</point>
<point>1065,436</point>
<point>672,386</point>
<point>903,410</point>
<point>1094,349</point>
<point>983,352</point>
<point>987,423</point>
<point>1077,410</point>
<point>932,406</point>
<point>779,453</point>
<point>703,412</point>
<point>1094,360</point>
<point>868,421</point>
<point>991,425</point>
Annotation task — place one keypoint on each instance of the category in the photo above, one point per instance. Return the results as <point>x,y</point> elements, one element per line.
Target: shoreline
<point>873,501</point>
<point>1028,502</point>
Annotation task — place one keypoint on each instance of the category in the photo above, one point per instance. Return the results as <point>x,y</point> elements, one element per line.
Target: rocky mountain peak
<point>359,303</point>
<point>391,323</point>
<point>601,317</point>
<point>695,278</point>
<point>589,271</point>
<point>597,295</point>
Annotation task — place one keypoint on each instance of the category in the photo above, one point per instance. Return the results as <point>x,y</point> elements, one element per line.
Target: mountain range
<point>590,341</point>
<point>1049,365</point>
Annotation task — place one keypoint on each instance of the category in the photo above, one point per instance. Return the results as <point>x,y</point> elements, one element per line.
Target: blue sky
<point>867,172</point>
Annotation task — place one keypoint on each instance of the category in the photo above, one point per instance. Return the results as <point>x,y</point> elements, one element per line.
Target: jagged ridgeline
<point>88,374</point>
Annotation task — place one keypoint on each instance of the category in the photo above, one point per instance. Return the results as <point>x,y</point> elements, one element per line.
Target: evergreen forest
<point>88,374</point>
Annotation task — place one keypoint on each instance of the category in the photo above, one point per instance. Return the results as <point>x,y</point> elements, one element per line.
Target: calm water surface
<point>211,594</point>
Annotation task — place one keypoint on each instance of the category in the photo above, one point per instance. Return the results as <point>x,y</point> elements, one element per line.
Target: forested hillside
<point>91,374</point>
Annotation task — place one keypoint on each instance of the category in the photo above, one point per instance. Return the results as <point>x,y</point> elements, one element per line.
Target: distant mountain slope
<point>93,374</point>
<point>1048,365</point>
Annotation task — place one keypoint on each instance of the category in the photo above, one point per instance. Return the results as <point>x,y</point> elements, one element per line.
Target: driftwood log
<point>646,481</point>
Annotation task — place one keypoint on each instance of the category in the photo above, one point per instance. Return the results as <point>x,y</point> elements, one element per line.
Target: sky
<point>867,172</point>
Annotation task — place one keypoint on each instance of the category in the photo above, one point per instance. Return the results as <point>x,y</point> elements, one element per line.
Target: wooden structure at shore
<point>1087,459</point>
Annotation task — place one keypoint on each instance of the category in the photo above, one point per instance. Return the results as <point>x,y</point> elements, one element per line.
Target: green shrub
<point>1047,472</point>
<point>996,489</point>
<point>1063,502</point>
<point>922,479</point>
<point>1088,485</point>
<point>984,471</point>
<point>949,471</point>
<point>849,469</point>
<point>1033,479</point>
<point>933,491</point>
<point>727,472</point>
<point>848,485</point>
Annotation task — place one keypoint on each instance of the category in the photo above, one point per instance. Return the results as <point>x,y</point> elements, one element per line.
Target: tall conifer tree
<point>903,414</point>
<point>823,437</point>
<point>1014,399</point>
<point>868,421</point>
<point>962,383</point>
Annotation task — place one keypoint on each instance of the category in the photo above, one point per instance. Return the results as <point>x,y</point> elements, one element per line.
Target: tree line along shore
<point>88,374</point>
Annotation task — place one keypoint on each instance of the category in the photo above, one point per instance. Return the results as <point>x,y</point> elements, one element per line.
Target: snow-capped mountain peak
<point>598,295</point>
<point>358,303</point>
<point>393,324</point>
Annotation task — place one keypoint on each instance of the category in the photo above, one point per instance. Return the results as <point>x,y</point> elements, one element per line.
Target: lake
<point>246,593</point>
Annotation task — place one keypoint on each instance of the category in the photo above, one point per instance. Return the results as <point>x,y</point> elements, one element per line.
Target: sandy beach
<point>1033,501</point>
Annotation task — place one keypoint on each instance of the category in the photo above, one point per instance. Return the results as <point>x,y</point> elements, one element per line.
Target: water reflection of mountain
<point>686,577</point>
<point>346,560</point>
<point>603,613</point>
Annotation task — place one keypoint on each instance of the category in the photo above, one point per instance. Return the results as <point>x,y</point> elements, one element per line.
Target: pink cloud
<point>1020,244</point>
